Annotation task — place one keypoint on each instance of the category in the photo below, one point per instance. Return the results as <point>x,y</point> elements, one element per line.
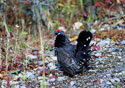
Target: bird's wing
<point>67,61</point>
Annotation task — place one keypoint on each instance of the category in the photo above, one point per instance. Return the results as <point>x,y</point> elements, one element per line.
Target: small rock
<point>93,42</point>
<point>102,29</point>
<point>40,62</point>
<point>54,58</point>
<point>40,78</point>
<point>40,52</point>
<point>14,82</point>
<point>117,79</point>
<point>49,53</point>
<point>22,86</point>
<point>30,75</point>
<point>92,70</point>
<point>16,77</point>
<point>72,83</point>
<point>101,80</point>
<point>123,42</point>
<point>47,83</point>
<point>53,87</point>
<point>52,80</point>
<point>17,26</point>
<point>109,83</point>
<point>32,56</point>
<point>60,78</point>
<point>95,23</point>
<point>107,26</point>
<point>93,30</point>
<point>108,75</point>
<point>98,54</point>
<point>89,84</point>
<point>51,66</point>
<point>104,42</point>
<point>16,86</point>
<point>112,80</point>
<point>109,55</point>
<point>50,75</point>
<point>119,57</point>
<point>77,25</point>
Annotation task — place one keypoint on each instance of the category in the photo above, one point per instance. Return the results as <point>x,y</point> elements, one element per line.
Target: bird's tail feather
<point>83,48</point>
<point>83,40</point>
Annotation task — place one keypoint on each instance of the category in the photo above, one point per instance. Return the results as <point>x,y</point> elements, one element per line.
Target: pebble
<point>109,83</point>
<point>40,62</point>
<point>102,29</point>
<point>119,57</point>
<point>40,78</point>
<point>52,79</point>
<point>54,58</point>
<point>108,75</point>
<point>51,66</point>
<point>22,87</point>
<point>49,53</point>
<point>61,78</point>
<point>14,82</point>
<point>93,42</point>
<point>92,70</point>
<point>123,42</point>
<point>30,75</point>
<point>112,80</point>
<point>32,56</point>
<point>117,79</point>
<point>93,30</point>
<point>113,53</point>
<point>98,54</point>
<point>72,83</point>
<point>16,86</point>
<point>101,80</point>
<point>104,42</point>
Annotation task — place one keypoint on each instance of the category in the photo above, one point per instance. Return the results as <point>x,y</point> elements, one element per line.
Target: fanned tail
<point>83,40</point>
<point>83,48</point>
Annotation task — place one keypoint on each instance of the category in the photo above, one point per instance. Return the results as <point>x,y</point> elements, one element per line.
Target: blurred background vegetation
<point>23,15</point>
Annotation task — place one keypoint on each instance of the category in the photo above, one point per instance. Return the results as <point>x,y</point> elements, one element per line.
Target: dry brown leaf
<point>73,39</point>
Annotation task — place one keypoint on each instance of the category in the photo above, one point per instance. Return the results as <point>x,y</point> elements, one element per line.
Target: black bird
<point>72,58</point>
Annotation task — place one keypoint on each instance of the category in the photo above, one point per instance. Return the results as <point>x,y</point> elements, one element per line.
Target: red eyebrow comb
<point>57,30</point>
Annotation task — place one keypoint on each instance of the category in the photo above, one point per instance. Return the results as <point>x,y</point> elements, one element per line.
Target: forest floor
<point>108,71</point>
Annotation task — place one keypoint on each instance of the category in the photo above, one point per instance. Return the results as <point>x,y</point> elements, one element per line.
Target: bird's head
<point>58,32</point>
<point>61,38</point>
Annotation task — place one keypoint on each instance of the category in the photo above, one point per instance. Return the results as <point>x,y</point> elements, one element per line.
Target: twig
<point>110,19</point>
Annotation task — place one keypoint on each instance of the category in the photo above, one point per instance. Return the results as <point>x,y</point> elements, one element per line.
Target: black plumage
<point>72,58</point>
